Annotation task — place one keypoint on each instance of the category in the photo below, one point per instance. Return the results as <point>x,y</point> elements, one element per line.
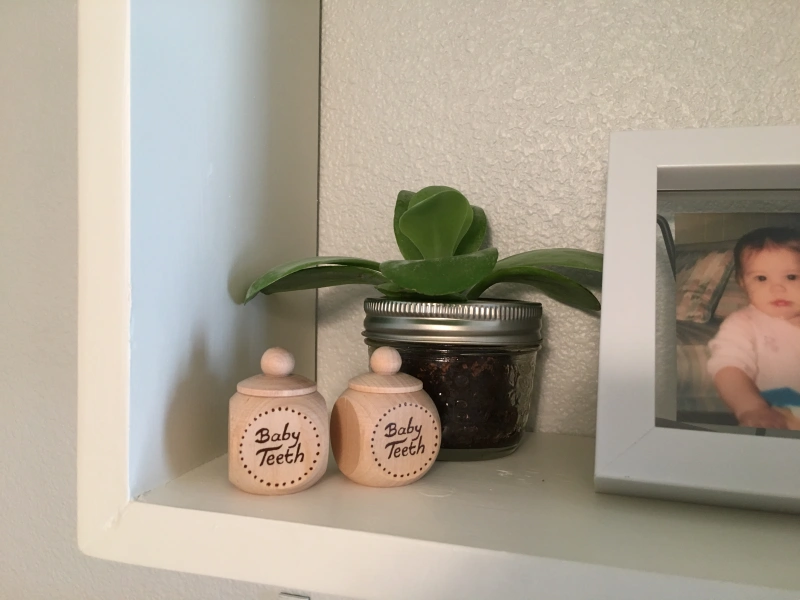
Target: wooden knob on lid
<point>385,378</point>
<point>385,361</point>
<point>278,362</point>
<point>277,380</point>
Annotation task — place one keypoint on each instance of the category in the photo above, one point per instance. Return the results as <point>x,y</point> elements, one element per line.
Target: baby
<point>755,356</point>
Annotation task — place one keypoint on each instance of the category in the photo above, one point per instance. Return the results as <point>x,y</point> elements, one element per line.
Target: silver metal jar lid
<point>477,322</point>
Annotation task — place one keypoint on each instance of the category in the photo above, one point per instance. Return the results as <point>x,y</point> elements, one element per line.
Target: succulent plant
<point>440,234</point>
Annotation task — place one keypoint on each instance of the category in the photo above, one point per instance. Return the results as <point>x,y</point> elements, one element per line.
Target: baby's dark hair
<point>766,237</point>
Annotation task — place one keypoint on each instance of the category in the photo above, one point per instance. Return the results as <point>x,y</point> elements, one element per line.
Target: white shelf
<point>154,384</point>
<point>535,510</point>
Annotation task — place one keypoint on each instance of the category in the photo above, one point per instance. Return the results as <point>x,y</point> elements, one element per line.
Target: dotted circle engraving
<point>429,424</point>
<point>257,423</point>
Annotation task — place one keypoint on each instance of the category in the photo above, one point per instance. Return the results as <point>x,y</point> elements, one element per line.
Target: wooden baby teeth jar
<point>277,430</point>
<point>385,430</point>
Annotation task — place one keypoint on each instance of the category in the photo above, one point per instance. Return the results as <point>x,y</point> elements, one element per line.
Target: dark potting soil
<point>484,400</point>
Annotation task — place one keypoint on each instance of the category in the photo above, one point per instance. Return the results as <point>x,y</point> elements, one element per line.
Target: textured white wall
<point>513,102</point>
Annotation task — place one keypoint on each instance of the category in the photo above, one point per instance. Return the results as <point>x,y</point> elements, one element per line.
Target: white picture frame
<point>633,455</point>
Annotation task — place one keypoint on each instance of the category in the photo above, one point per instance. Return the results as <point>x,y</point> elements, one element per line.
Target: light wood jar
<point>385,430</point>
<point>278,431</point>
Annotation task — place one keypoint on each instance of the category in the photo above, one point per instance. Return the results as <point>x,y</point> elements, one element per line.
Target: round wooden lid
<point>385,378</point>
<point>277,380</point>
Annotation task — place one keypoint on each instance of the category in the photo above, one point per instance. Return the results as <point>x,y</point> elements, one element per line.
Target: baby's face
<point>771,278</point>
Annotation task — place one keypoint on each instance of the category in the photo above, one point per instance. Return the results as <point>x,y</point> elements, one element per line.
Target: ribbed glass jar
<point>475,359</point>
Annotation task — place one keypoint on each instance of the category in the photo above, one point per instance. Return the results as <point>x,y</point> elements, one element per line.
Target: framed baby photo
<point>737,305</point>
<point>699,379</point>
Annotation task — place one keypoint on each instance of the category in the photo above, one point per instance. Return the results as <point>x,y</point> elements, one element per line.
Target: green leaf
<point>392,290</point>
<point>436,223</point>
<point>440,276</point>
<point>557,257</point>
<point>555,285</point>
<point>406,246</point>
<point>319,277</point>
<point>281,271</point>
<point>473,239</point>
<point>464,229</point>
<point>429,192</point>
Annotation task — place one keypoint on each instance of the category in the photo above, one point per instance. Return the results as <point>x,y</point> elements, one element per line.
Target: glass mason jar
<point>475,359</point>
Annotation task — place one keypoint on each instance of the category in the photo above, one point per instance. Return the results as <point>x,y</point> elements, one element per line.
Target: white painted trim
<point>104,264</point>
<point>358,564</point>
<point>632,455</point>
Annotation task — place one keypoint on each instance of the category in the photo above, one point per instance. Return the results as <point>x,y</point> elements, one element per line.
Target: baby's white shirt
<point>766,348</point>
